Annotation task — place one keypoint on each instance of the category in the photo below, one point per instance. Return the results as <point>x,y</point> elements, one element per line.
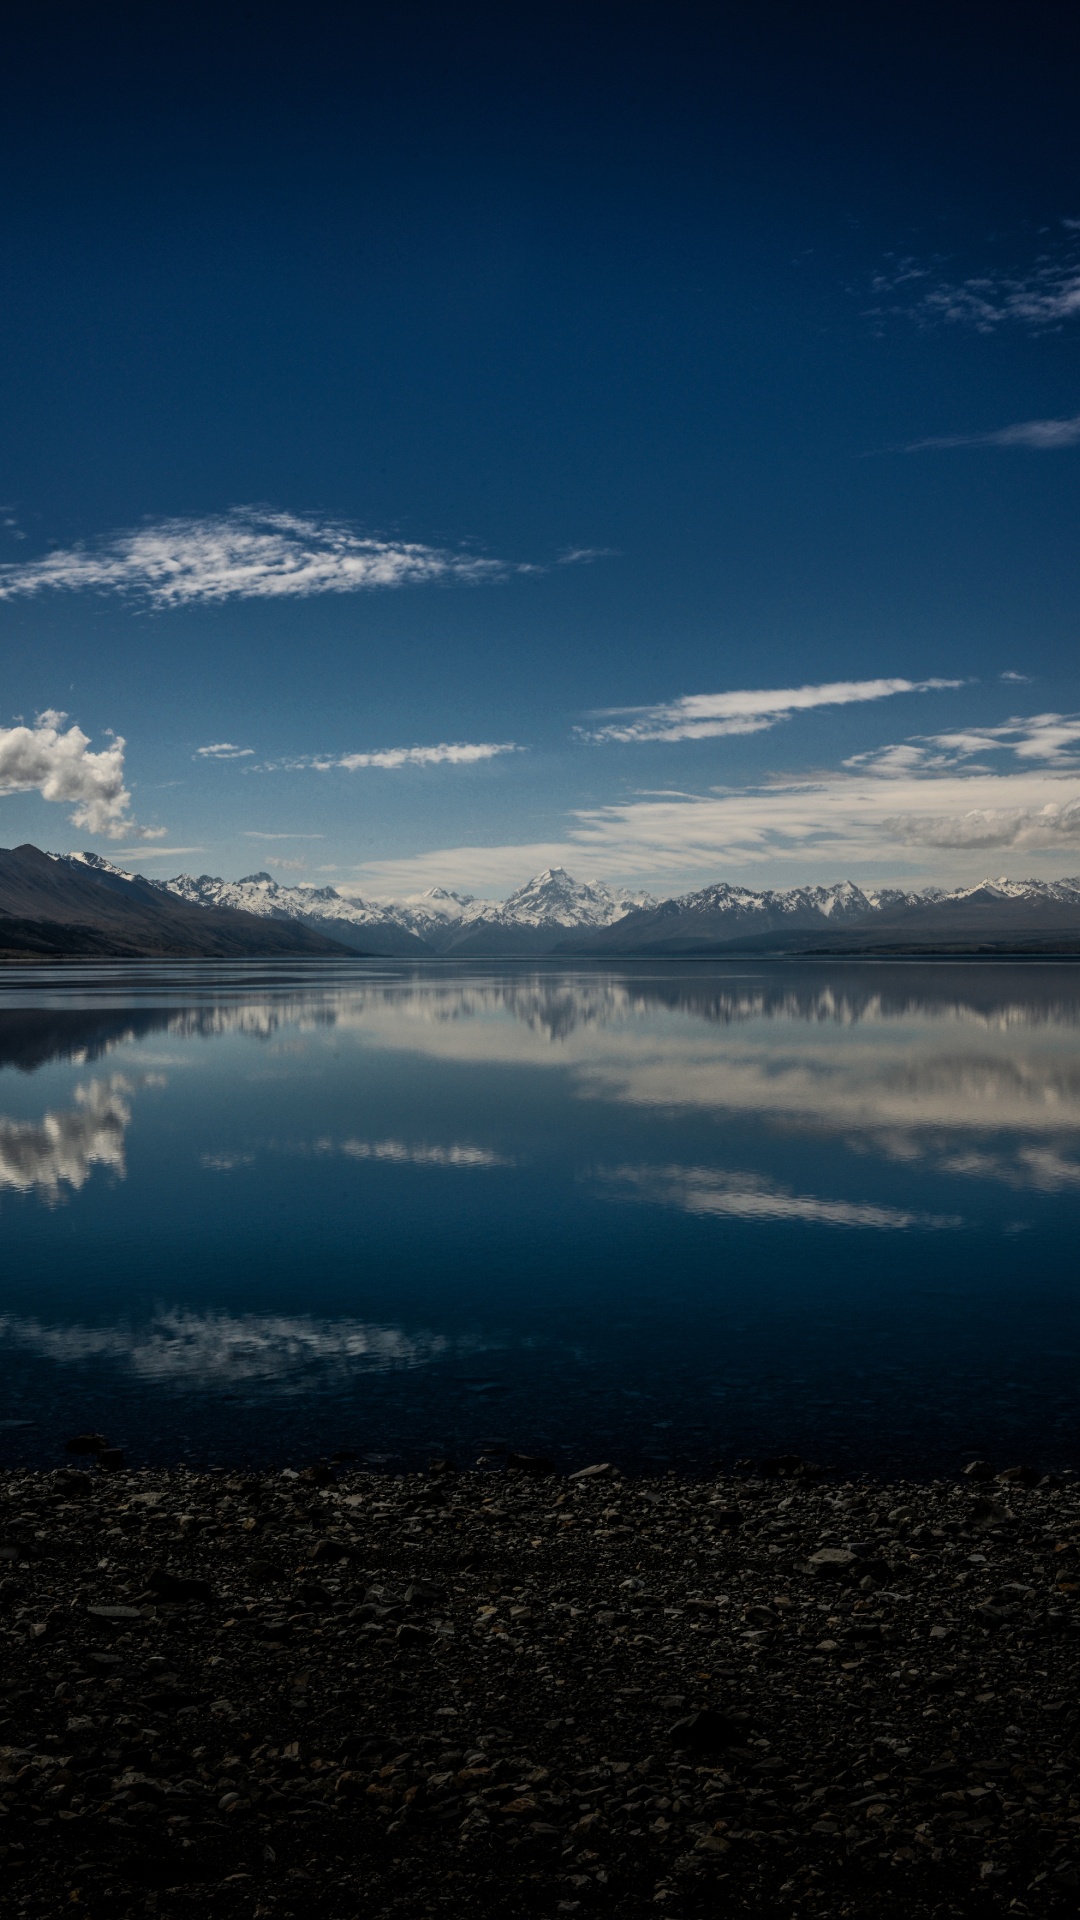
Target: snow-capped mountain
<point>721,916</point>
<point>554,913</point>
<point>438,921</point>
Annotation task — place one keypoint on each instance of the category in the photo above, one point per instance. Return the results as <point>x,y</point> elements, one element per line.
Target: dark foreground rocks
<point>295,1695</point>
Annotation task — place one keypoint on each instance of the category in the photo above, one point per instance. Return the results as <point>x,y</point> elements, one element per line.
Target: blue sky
<point>444,442</point>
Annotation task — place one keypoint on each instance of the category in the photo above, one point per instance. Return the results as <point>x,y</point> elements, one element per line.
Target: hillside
<point>55,908</point>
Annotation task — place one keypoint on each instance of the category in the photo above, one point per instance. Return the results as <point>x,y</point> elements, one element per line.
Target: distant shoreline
<point>984,950</point>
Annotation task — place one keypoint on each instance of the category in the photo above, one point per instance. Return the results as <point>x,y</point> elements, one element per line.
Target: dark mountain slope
<point>53,909</point>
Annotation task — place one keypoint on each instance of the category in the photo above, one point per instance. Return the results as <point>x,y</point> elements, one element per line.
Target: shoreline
<point>267,1694</point>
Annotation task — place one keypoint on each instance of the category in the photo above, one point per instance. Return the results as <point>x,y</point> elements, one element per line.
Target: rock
<point>329,1551</point>
<point>74,1486</point>
<point>435,1733</point>
<point>834,1561</point>
<point>86,1443</point>
<point>315,1594</point>
<point>979,1470</point>
<point>179,1586</point>
<point>707,1731</point>
<point>789,1466</point>
<point>761,1617</point>
<point>592,1473</point>
<point>110,1459</point>
<point>532,1463</point>
<point>267,1570</point>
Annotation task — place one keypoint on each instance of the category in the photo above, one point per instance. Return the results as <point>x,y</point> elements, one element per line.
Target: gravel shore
<point>335,1693</point>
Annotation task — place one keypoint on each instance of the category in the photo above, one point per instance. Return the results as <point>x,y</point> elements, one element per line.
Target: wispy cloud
<point>252,834</point>
<point>455,754</point>
<point>1040,436</point>
<point>155,853</point>
<point>1044,295</point>
<point>1051,738</point>
<point>458,754</point>
<point>222,750</point>
<point>941,792</point>
<point>706,716</point>
<point>55,760</point>
<point>248,553</point>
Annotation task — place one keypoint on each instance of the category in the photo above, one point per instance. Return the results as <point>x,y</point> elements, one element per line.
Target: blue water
<point>660,1213</point>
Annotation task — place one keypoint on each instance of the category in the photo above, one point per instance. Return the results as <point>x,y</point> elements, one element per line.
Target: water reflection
<point>54,1156</point>
<point>912,1064</point>
<point>279,1353</point>
<point>741,1196</point>
<point>647,1185</point>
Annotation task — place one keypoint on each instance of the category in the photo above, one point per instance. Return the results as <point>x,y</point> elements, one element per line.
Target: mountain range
<point>61,907</point>
<point>554,914</point>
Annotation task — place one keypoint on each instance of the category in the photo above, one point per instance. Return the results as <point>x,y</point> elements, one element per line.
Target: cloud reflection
<point>55,1156</point>
<point>219,1352</point>
<point>751,1196</point>
<point>974,1070</point>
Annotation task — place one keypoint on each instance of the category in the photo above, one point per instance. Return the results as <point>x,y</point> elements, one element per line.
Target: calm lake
<point>659,1213</point>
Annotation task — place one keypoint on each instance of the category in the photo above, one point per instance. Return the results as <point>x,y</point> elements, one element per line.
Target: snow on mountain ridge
<point>552,902</point>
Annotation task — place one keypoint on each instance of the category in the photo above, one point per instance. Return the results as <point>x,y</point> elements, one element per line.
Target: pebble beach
<point>324,1691</point>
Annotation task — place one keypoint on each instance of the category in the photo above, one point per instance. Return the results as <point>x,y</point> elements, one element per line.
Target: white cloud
<point>834,821</point>
<point>1046,737</point>
<point>1045,295</point>
<point>458,754</point>
<point>155,853</point>
<point>992,828</point>
<point>248,553</point>
<point>55,760</point>
<point>222,750</point>
<point>706,716</point>
<point>1041,436</point>
<point>455,754</point>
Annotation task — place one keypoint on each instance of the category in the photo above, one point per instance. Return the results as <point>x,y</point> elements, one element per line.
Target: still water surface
<point>661,1213</point>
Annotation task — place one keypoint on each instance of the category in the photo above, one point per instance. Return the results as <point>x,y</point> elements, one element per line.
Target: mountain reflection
<point>970,1070</point>
<point>553,1002</point>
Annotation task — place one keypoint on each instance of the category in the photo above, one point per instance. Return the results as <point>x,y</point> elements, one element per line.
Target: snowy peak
<point>552,908</point>
<point>96,861</point>
<point>553,898</point>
